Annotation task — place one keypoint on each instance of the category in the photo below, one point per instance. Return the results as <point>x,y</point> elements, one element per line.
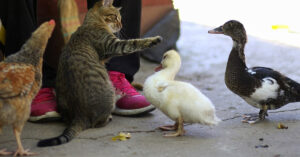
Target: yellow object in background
<point>288,28</point>
<point>2,34</point>
<point>280,27</point>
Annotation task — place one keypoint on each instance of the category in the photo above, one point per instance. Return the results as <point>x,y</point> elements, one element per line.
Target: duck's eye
<point>165,57</point>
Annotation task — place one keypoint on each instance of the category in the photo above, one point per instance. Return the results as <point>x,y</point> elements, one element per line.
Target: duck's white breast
<point>268,90</point>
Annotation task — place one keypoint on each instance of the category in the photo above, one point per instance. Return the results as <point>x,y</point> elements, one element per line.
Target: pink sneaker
<point>131,102</point>
<point>44,107</point>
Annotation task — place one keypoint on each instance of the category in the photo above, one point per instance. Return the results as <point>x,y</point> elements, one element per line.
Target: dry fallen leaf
<point>122,136</point>
<point>281,126</point>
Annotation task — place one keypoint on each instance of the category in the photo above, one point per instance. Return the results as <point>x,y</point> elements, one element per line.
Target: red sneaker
<point>131,102</point>
<point>44,107</point>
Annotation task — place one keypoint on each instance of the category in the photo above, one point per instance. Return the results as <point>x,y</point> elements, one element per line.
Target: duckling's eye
<point>165,56</point>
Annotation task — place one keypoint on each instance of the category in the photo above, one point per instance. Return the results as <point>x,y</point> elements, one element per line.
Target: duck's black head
<point>234,29</point>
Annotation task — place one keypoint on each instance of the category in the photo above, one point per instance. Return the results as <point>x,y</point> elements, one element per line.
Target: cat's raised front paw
<point>155,40</point>
<point>158,39</point>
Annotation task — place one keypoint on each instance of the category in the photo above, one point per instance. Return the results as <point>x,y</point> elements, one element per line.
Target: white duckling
<point>180,101</point>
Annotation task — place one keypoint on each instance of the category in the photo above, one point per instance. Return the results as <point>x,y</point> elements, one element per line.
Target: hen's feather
<point>20,80</point>
<point>16,79</point>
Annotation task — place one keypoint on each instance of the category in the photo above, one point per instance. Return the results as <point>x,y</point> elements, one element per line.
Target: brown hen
<point>20,80</point>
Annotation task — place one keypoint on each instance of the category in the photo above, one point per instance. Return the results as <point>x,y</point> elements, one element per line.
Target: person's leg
<point>44,106</point>
<point>131,19</point>
<point>19,21</point>
<point>122,69</point>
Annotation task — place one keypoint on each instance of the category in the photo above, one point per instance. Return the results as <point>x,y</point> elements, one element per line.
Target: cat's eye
<point>112,16</point>
<point>115,17</point>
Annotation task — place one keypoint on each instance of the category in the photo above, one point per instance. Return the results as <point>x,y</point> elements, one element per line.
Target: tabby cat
<point>85,95</point>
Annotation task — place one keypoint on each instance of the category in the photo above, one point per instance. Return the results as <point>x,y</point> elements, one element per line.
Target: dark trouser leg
<point>49,76</point>
<point>131,19</point>
<point>19,20</point>
<point>47,10</point>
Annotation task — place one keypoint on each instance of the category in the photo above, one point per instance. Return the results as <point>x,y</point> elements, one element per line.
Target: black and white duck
<point>261,87</point>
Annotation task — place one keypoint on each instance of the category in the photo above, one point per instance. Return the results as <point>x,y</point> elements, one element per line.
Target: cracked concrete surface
<point>230,138</point>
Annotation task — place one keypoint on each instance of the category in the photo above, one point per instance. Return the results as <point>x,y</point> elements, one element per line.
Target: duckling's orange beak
<point>158,68</point>
<point>218,30</point>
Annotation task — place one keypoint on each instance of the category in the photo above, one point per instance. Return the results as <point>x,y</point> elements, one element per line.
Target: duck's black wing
<point>289,90</point>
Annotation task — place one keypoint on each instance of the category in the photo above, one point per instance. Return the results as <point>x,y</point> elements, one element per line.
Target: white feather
<point>251,71</point>
<point>268,90</point>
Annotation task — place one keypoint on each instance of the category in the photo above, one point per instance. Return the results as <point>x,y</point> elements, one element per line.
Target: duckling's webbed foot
<point>178,133</point>
<point>180,130</point>
<point>169,127</point>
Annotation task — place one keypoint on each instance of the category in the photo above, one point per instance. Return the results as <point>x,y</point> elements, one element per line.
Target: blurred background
<point>272,27</point>
<point>274,20</point>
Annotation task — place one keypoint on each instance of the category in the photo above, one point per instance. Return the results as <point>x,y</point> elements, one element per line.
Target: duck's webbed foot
<point>254,118</point>
<point>263,114</point>
<point>250,118</point>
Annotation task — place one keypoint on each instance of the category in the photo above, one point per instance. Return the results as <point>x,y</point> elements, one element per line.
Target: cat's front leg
<point>117,47</point>
<point>150,42</point>
<point>141,44</point>
<point>123,47</point>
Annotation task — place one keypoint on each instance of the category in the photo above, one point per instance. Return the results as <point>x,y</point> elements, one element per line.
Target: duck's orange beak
<point>218,30</point>
<point>158,68</point>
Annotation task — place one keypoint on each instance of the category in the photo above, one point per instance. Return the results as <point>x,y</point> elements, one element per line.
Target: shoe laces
<point>44,94</point>
<point>122,84</point>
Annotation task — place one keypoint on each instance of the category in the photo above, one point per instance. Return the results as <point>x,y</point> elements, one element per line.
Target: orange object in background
<point>153,11</point>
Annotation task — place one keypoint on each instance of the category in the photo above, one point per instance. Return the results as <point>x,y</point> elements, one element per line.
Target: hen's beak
<point>218,30</point>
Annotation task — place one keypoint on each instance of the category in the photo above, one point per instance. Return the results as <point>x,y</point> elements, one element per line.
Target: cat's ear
<point>107,2</point>
<point>119,8</point>
<point>99,3</point>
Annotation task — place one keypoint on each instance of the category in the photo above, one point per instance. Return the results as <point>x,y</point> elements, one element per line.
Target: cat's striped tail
<point>68,134</point>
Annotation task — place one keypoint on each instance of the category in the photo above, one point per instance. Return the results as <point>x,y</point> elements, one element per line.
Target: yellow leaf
<point>122,136</point>
<point>281,126</point>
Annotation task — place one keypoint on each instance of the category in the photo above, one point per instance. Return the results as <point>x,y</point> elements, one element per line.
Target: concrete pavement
<point>230,138</point>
